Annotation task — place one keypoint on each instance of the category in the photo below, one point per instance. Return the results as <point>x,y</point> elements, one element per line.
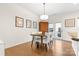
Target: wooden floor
<point>59,48</point>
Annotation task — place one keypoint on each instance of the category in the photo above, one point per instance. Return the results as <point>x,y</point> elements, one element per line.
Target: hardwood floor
<point>59,48</point>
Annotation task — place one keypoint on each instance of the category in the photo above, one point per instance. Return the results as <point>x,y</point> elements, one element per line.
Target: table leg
<point>41,41</point>
<point>32,41</point>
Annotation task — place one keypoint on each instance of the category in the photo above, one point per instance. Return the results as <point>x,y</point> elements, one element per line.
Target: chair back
<point>48,35</point>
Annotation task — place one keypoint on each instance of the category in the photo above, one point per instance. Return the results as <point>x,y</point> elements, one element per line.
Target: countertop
<point>75,39</point>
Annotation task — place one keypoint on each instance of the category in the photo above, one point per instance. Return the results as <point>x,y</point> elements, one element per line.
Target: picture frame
<point>28,23</point>
<point>70,22</point>
<point>34,24</point>
<point>19,21</point>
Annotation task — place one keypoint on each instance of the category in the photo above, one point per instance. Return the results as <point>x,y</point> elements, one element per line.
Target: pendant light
<point>44,16</point>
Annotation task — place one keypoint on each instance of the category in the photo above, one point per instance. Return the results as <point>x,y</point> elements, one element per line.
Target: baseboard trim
<point>17,44</point>
<point>63,40</point>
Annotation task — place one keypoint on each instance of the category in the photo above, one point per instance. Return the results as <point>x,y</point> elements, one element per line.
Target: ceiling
<point>51,8</point>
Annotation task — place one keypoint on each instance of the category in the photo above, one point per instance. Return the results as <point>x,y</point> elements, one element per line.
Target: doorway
<point>58,30</point>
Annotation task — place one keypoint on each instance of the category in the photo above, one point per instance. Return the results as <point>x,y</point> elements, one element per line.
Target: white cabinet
<point>1,48</point>
<point>75,45</point>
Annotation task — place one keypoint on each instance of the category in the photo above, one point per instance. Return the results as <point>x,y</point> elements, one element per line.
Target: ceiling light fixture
<point>44,16</point>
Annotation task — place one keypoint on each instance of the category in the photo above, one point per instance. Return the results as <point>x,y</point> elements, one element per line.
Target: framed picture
<point>28,23</point>
<point>70,22</point>
<point>34,24</point>
<point>19,22</point>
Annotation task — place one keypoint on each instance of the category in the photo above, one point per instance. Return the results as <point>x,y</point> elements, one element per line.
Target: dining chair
<point>47,41</point>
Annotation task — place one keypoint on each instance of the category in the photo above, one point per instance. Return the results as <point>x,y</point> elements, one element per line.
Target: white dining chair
<point>47,40</point>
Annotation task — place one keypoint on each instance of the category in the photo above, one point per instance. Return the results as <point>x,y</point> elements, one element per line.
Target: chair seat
<point>44,40</point>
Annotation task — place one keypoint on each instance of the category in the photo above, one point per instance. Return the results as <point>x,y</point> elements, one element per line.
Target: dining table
<point>37,34</point>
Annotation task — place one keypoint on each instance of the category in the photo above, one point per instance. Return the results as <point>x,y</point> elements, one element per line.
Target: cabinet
<point>75,45</point>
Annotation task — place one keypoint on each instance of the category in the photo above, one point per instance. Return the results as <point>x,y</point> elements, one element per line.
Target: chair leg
<point>51,43</point>
<point>46,46</point>
<point>37,45</point>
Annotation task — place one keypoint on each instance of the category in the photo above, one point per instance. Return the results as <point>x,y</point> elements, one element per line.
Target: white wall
<point>61,18</point>
<point>10,34</point>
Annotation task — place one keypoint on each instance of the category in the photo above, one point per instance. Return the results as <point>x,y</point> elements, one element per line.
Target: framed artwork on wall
<point>19,22</point>
<point>70,22</point>
<point>34,24</point>
<point>28,23</point>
